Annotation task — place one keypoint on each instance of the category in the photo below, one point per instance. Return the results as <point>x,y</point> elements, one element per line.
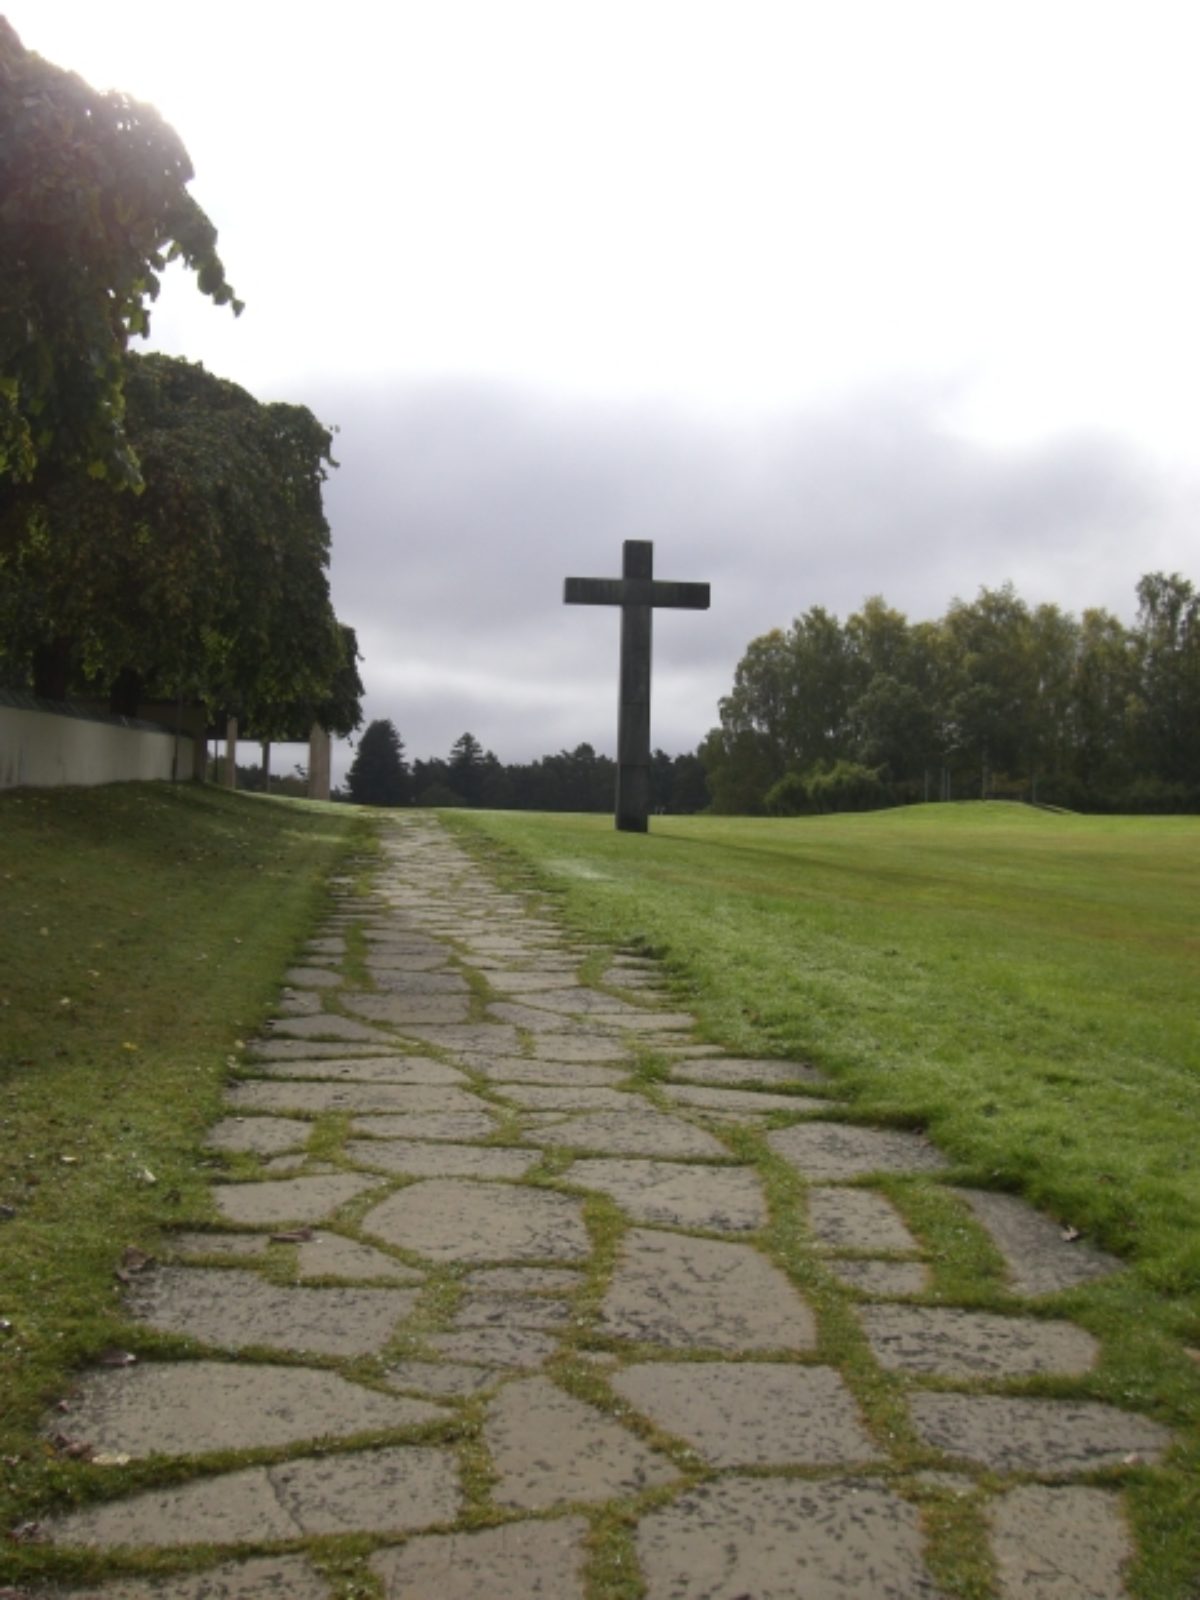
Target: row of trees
<point>162,534</point>
<point>573,780</point>
<point>995,698</point>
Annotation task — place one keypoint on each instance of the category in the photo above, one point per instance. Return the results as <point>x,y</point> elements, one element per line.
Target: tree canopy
<point>997,697</point>
<point>378,775</point>
<point>210,584</point>
<point>93,204</point>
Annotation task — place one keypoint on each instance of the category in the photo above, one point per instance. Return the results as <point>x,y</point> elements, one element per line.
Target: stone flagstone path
<point>476,1299</point>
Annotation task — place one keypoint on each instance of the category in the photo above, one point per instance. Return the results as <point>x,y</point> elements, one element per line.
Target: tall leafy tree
<point>211,583</point>
<point>93,204</point>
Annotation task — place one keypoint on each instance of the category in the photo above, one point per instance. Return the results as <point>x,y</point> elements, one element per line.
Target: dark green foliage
<point>379,774</point>
<point>994,700</point>
<point>94,204</point>
<point>211,583</point>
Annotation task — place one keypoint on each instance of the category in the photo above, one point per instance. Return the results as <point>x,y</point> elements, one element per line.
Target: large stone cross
<point>637,592</point>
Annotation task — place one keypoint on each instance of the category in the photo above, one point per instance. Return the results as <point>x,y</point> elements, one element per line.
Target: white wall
<point>44,749</point>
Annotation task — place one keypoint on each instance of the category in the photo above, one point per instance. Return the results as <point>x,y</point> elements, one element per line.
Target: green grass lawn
<point>1024,984</point>
<point>143,930</point>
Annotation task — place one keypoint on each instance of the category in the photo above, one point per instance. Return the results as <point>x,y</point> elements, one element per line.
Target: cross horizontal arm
<point>655,592</point>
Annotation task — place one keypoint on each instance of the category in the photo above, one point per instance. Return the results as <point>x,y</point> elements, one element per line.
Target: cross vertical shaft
<point>633,705</point>
<point>637,593</point>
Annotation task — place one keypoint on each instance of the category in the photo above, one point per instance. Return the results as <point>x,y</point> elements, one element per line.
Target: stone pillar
<point>318,763</point>
<point>230,774</point>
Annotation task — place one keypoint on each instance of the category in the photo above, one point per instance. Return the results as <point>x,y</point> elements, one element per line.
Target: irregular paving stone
<point>448,1125</point>
<point>375,1491</point>
<point>751,1414</point>
<point>218,1244</point>
<point>553,1097</point>
<point>333,1256</point>
<point>857,1219</point>
<point>425,982</point>
<point>530,1018</point>
<point>234,1310</point>
<point>703,1294</point>
<point>577,1047</point>
<point>745,1070</point>
<point>1011,1435</point>
<point>492,1038</point>
<point>328,1026</point>
<point>307,1049</point>
<point>523,1280</point>
<point>638,1021</point>
<point>263,1578</point>
<point>775,1540</point>
<point>510,1311</point>
<point>194,1407</point>
<point>636,1133</point>
<point>403,1010</point>
<point>455,1219</point>
<point>725,1199</point>
<point>293,1200</point>
<point>419,1160</point>
<point>548,1449</point>
<point>526,982</point>
<point>302,1003</point>
<point>758,1101</point>
<point>959,1344</point>
<point>884,1279</point>
<point>1039,1259</point>
<point>366,1069</point>
<point>263,1136</point>
<point>564,1074</point>
<point>1060,1544</point>
<point>829,1151</point>
<point>522,1561</point>
<point>313,978</point>
<point>497,1347</point>
<point>443,1378</point>
<point>578,1001</point>
<point>319,1098</point>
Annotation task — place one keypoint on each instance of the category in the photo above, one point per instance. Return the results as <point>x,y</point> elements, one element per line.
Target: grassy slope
<point>1023,983</point>
<point>143,929</point>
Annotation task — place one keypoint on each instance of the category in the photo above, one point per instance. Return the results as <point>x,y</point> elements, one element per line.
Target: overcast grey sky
<point>826,299</point>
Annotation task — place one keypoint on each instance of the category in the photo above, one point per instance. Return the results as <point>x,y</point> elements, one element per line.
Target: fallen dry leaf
<point>116,1358</point>
<point>296,1236</point>
<point>111,1458</point>
<point>1070,1234</point>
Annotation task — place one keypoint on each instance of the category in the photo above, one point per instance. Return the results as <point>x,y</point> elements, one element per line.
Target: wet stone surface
<point>829,1152</point>
<point>289,1200</point>
<point>720,1199</point>
<point>700,1294</point>
<point>195,1407</point>
<point>1039,1259</point>
<point>236,1310</point>
<point>457,1220</point>
<point>748,1414</point>
<point>376,1317</point>
<point>758,1537</point>
<point>961,1344</point>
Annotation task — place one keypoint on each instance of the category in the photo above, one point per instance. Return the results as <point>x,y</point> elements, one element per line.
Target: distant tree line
<point>572,780</point>
<point>996,699</point>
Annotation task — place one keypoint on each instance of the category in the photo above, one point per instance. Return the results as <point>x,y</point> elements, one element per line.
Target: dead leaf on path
<point>1070,1234</point>
<point>116,1358</point>
<point>111,1458</point>
<point>296,1236</point>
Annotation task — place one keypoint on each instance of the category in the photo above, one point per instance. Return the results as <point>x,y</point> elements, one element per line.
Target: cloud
<point>460,508</point>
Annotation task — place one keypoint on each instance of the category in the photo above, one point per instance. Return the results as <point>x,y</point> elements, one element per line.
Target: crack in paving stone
<point>384,1491</point>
